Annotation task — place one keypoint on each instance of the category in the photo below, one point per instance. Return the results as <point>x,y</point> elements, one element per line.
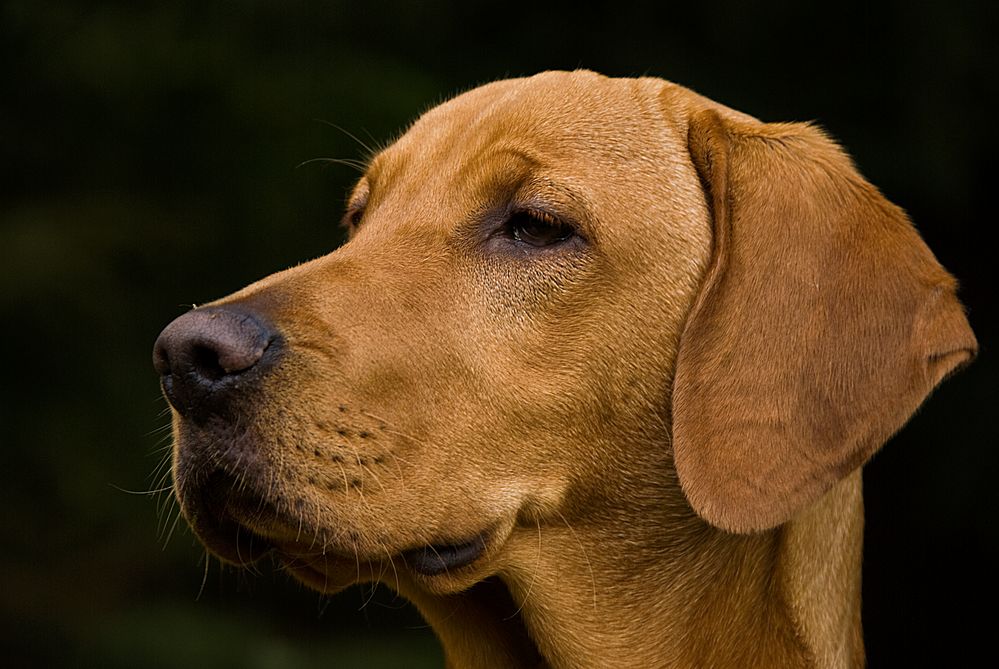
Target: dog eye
<point>356,206</point>
<point>352,218</point>
<point>537,228</point>
<point>355,215</point>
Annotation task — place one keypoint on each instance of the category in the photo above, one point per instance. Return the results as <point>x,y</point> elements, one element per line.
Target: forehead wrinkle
<point>482,155</point>
<point>492,169</point>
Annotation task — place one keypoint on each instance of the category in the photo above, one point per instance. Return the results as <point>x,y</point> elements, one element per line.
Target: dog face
<point>467,363</point>
<point>560,295</point>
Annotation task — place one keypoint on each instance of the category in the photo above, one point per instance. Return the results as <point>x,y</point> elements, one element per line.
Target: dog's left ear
<point>822,324</point>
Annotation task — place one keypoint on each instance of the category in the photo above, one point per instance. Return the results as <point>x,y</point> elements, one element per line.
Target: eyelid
<point>352,218</point>
<point>542,215</point>
<point>548,216</point>
<point>356,205</point>
<point>547,198</point>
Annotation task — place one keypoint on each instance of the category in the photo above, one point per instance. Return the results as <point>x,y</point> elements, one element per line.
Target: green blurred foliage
<point>151,158</point>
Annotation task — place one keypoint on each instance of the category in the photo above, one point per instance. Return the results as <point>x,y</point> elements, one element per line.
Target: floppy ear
<point>822,324</point>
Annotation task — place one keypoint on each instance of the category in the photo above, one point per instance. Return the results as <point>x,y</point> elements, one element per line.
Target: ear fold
<point>822,324</point>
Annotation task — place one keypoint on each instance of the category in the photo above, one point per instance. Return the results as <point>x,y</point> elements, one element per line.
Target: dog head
<point>560,294</point>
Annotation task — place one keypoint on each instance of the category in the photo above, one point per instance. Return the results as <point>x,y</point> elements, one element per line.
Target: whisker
<point>371,152</point>
<point>357,165</point>
<point>204,577</point>
<point>395,571</point>
<point>534,576</point>
<point>158,430</point>
<point>141,493</point>
<point>173,527</point>
<point>582,548</point>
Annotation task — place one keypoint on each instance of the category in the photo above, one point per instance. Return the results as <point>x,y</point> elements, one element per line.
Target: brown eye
<point>538,228</point>
<point>354,216</point>
<point>356,206</point>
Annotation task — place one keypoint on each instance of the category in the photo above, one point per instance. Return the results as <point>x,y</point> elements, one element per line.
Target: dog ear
<point>822,324</point>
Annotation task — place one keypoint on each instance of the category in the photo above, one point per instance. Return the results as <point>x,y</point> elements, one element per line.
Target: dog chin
<point>440,568</point>
<point>328,574</point>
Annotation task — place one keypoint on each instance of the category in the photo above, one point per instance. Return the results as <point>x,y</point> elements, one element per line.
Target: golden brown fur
<point>658,425</point>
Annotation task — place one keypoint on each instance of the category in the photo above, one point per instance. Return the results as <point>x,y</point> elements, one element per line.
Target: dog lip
<point>436,559</point>
<point>231,542</point>
<point>215,510</point>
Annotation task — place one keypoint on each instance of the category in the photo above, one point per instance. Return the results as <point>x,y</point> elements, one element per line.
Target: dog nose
<point>208,354</point>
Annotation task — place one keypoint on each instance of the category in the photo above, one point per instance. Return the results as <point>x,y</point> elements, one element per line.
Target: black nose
<point>208,355</point>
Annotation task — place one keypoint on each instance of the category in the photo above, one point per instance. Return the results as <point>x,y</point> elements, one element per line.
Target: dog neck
<point>616,592</point>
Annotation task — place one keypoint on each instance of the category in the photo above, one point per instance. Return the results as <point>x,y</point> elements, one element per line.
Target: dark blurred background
<point>148,157</point>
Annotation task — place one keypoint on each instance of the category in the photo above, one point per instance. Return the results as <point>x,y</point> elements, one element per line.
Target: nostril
<point>205,362</point>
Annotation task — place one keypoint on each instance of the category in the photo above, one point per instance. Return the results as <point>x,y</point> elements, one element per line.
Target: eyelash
<point>537,229</point>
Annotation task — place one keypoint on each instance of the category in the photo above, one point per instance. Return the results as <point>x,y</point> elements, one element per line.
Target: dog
<point>591,382</point>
